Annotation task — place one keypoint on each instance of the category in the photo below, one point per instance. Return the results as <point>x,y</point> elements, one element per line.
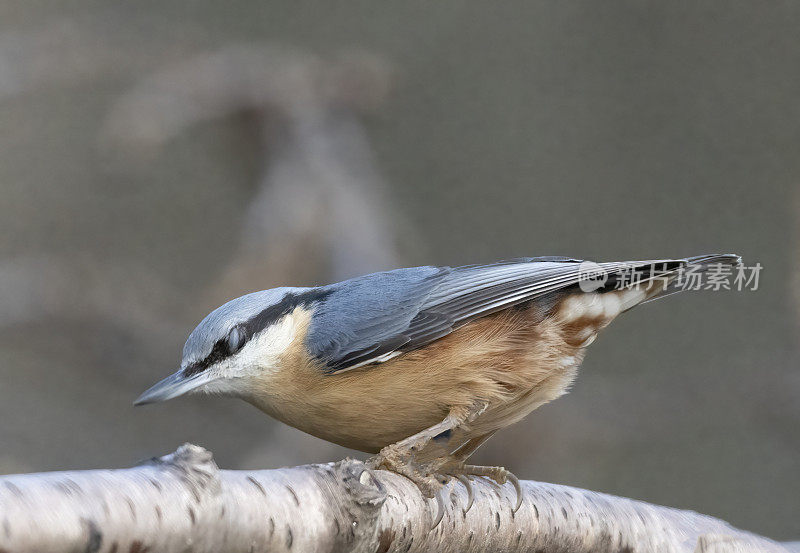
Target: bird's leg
<point>402,457</point>
<point>463,452</point>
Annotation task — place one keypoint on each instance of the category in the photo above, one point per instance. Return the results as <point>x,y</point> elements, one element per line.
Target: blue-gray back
<point>374,317</point>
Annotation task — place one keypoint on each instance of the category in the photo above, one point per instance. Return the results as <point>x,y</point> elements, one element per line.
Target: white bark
<point>183,502</point>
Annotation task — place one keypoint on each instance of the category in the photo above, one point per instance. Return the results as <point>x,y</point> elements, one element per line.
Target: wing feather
<point>373,318</point>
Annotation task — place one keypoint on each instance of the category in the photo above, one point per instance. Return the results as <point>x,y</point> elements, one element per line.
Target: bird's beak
<point>172,386</point>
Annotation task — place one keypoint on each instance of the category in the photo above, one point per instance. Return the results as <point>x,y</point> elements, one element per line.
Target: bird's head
<point>237,342</point>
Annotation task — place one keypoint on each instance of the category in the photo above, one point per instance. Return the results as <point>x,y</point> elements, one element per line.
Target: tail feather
<point>699,264</point>
<point>664,277</point>
<point>723,258</point>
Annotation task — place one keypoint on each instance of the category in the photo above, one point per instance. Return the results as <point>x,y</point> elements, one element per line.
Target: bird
<point>420,366</point>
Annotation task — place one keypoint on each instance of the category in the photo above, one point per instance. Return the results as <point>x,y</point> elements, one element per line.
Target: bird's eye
<point>235,340</point>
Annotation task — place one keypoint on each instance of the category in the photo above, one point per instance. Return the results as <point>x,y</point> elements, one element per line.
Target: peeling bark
<point>183,502</point>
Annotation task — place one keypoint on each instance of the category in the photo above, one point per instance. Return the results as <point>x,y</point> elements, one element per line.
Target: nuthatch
<point>421,365</point>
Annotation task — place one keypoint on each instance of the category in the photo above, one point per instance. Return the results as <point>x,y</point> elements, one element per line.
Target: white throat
<point>259,358</point>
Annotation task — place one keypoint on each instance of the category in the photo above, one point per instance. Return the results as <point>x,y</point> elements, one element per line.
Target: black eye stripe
<point>218,353</point>
<point>256,324</point>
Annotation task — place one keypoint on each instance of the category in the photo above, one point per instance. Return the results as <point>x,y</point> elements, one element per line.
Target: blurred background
<point>159,158</point>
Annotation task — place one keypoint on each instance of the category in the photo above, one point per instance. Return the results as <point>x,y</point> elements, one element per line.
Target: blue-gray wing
<point>372,318</point>
<point>367,317</point>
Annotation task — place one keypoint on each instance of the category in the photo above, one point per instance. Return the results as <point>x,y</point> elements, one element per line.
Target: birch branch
<point>183,502</point>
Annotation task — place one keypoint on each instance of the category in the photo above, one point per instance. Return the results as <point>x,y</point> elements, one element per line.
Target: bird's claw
<point>517,488</point>
<point>440,513</point>
<point>498,475</point>
<point>425,476</point>
<point>464,479</point>
<point>430,478</point>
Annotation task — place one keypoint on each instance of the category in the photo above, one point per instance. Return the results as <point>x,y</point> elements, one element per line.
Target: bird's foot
<point>499,474</point>
<point>431,477</point>
<point>426,476</point>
